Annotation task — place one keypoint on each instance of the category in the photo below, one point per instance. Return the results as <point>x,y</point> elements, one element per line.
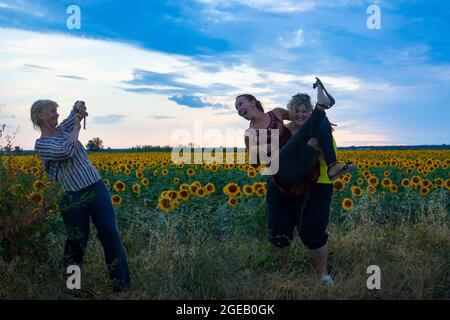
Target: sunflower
<point>136,188</point>
<point>53,207</point>
<point>193,188</point>
<point>406,182</point>
<point>106,181</point>
<point>408,171</point>
<point>360,181</point>
<point>439,181</point>
<point>139,174</point>
<point>36,197</point>
<point>346,178</point>
<point>371,189</point>
<point>145,181</point>
<point>116,200</point>
<point>119,186</point>
<point>260,192</point>
<point>257,185</point>
<point>183,195</point>
<point>196,183</point>
<point>210,188</point>
<point>173,195</point>
<point>164,204</point>
<point>356,191</point>
<point>427,183</point>
<point>155,173</point>
<point>424,191</point>
<point>416,179</point>
<point>373,181</point>
<point>248,190</point>
<point>231,189</point>
<point>338,185</point>
<point>38,185</point>
<point>164,172</point>
<point>386,182</point>
<point>386,173</point>
<point>251,173</point>
<point>447,184</point>
<point>347,204</point>
<point>184,186</point>
<point>176,180</point>
<point>393,188</point>
<point>232,202</point>
<point>200,192</point>
<point>190,172</point>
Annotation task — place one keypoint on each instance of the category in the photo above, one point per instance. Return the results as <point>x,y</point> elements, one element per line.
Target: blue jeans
<point>77,208</point>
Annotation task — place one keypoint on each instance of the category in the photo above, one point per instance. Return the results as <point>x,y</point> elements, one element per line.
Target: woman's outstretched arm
<point>282,114</point>
<point>67,125</point>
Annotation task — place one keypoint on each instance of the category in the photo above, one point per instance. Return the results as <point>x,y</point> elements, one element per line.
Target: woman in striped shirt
<point>86,196</point>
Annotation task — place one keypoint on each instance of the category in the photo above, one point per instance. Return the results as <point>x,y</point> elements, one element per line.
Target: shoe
<point>332,101</point>
<point>327,279</point>
<point>335,170</point>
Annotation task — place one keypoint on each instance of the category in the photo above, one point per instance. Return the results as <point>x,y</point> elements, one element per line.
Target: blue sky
<point>149,68</point>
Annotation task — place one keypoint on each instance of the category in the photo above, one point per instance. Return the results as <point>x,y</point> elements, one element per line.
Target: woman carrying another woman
<point>298,168</point>
<point>85,194</point>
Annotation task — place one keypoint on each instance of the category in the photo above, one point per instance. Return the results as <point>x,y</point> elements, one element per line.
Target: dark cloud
<point>193,101</point>
<point>68,76</point>
<point>159,117</point>
<point>149,82</point>
<point>34,66</point>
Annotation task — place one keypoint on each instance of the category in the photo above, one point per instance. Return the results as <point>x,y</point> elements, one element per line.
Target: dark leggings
<point>296,158</point>
<point>77,209</point>
<point>284,216</point>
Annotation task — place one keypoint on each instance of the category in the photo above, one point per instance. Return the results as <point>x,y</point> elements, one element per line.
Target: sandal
<point>335,170</point>
<point>332,101</point>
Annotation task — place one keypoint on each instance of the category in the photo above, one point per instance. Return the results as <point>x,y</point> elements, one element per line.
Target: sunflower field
<point>180,220</point>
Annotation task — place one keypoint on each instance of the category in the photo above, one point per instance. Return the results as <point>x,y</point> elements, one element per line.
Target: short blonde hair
<point>37,108</point>
<point>298,100</point>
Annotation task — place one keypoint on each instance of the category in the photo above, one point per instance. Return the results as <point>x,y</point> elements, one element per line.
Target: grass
<point>169,262</point>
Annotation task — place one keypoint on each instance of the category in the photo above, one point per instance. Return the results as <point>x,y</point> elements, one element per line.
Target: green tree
<point>95,144</point>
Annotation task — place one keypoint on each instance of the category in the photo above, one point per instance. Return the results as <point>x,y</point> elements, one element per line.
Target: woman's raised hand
<point>77,122</point>
<point>80,107</point>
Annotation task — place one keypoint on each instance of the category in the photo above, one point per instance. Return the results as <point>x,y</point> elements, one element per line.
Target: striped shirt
<point>66,162</point>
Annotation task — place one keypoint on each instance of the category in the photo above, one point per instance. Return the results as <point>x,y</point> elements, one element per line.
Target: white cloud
<point>25,7</point>
<point>293,40</point>
<point>276,6</point>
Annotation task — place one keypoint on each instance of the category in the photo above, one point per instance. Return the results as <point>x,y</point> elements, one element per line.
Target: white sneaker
<point>327,279</point>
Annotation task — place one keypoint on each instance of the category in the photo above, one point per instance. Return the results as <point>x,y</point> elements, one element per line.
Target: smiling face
<point>49,115</point>
<point>300,114</point>
<point>246,108</point>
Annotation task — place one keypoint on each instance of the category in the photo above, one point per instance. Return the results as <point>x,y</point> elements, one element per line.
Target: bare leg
<point>320,258</point>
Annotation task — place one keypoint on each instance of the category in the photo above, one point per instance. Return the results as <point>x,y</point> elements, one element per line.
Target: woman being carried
<point>296,159</point>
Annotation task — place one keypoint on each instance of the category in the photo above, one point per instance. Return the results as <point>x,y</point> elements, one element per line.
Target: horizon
<point>151,70</point>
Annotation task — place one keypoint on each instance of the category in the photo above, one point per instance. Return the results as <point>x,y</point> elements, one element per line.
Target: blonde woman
<point>309,213</point>
<point>86,196</point>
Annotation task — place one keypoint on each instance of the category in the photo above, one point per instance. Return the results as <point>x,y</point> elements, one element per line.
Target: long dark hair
<point>250,98</point>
